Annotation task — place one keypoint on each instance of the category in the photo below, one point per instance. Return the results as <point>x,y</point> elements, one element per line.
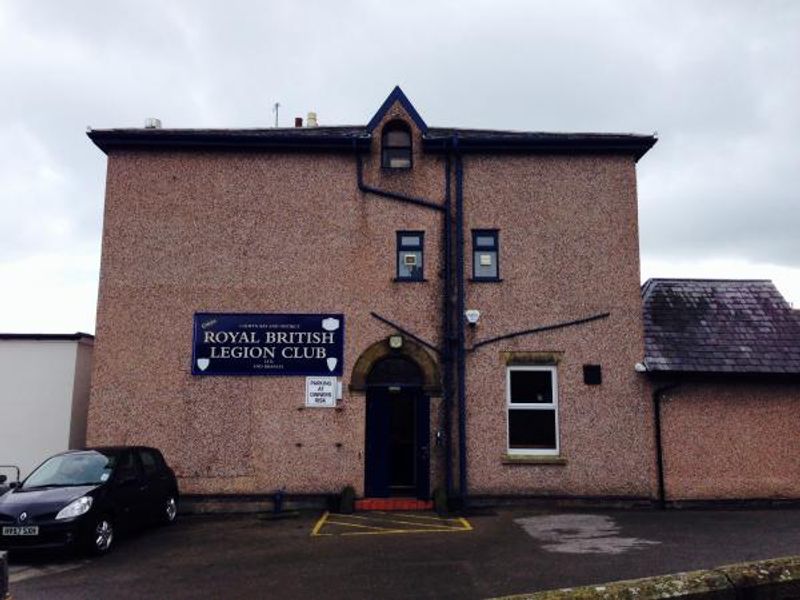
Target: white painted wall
<point>42,400</point>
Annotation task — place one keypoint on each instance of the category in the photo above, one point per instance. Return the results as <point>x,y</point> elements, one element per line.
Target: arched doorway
<point>397,454</point>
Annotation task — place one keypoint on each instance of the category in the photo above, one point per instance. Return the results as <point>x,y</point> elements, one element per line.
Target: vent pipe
<point>298,121</point>
<point>311,119</point>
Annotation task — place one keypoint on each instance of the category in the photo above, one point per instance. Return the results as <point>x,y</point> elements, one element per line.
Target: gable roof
<point>719,326</point>
<point>397,95</point>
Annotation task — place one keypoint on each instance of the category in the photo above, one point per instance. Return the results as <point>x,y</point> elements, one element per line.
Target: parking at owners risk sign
<point>267,344</point>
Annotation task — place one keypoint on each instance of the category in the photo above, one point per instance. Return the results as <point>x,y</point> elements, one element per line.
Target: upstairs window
<point>396,146</point>
<point>485,255</point>
<point>409,255</point>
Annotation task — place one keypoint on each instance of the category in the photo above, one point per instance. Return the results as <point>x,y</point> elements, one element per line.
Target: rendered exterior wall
<point>569,249</point>
<point>39,393</point>
<point>733,440</point>
<point>80,394</point>
<point>248,233</point>
<point>254,232</point>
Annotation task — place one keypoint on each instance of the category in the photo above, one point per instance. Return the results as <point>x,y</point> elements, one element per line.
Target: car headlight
<point>76,508</point>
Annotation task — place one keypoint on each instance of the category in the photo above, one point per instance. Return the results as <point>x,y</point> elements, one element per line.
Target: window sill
<point>533,459</point>
<point>484,280</point>
<point>400,280</point>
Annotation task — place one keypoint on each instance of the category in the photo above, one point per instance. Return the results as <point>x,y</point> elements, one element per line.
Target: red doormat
<point>393,504</point>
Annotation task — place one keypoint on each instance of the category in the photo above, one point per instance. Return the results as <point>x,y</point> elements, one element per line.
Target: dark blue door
<point>422,443</point>
<point>397,458</point>
<point>376,459</point>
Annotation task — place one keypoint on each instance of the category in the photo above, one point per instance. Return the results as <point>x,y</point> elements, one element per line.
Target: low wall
<point>777,579</point>
<point>193,504</point>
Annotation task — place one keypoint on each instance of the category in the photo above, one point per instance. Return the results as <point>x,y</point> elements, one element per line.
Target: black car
<point>83,497</point>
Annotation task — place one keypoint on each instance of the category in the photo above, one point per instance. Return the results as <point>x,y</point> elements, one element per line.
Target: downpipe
<point>658,394</point>
<point>447,354</point>
<point>461,367</point>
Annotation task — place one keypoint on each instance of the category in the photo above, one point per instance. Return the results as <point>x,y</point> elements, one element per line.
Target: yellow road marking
<point>320,523</point>
<point>396,521</point>
<point>394,531</point>
<point>356,525</point>
<point>412,516</point>
<point>380,523</point>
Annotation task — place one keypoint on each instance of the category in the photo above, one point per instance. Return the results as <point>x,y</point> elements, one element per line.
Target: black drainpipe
<point>447,354</point>
<point>461,367</point>
<point>658,392</point>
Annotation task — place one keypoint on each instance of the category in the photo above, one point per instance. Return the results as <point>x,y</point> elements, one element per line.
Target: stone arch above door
<point>432,382</point>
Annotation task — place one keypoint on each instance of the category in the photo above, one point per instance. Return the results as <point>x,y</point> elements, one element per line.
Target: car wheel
<point>101,536</point>
<point>169,510</point>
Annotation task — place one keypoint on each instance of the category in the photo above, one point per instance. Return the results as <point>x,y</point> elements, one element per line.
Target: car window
<point>150,462</point>
<point>80,468</point>
<point>127,468</point>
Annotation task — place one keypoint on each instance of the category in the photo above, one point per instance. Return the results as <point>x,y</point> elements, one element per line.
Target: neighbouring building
<point>43,407</point>
<point>391,306</point>
<point>724,357</point>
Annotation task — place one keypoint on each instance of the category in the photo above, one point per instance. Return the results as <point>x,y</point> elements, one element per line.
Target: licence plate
<point>31,530</point>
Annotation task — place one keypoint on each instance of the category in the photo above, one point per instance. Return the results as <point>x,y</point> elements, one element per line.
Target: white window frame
<point>531,406</point>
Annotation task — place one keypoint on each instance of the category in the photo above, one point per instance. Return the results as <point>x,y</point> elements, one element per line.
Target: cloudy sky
<point>718,80</point>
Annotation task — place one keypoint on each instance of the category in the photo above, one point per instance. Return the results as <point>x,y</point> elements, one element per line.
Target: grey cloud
<point>718,80</point>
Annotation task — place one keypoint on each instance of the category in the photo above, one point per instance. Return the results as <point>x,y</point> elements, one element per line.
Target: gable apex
<point>397,95</point>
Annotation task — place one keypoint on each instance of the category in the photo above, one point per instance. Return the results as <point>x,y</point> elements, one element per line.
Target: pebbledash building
<point>400,308</point>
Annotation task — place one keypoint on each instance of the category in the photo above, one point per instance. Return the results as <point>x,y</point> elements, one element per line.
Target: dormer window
<point>396,146</point>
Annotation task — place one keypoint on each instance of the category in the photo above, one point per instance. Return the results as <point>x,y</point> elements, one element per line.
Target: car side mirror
<point>3,479</point>
<point>14,484</point>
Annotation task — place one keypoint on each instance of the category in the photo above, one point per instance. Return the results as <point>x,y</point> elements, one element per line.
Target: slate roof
<point>719,326</point>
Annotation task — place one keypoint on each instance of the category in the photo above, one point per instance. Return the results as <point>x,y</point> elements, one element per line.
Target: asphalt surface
<point>505,552</point>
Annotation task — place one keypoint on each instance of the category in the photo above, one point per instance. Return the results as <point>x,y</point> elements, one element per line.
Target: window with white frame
<point>532,406</point>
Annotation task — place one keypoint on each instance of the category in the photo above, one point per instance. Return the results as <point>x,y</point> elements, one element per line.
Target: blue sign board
<point>268,344</point>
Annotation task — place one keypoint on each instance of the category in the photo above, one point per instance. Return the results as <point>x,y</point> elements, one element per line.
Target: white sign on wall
<point>321,391</point>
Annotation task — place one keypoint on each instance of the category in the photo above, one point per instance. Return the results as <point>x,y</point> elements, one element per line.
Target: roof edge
<point>708,279</point>
<point>651,282</point>
<point>222,139</point>
<point>706,374</point>
<point>357,139</point>
<point>50,337</point>
<point>544,143</point>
